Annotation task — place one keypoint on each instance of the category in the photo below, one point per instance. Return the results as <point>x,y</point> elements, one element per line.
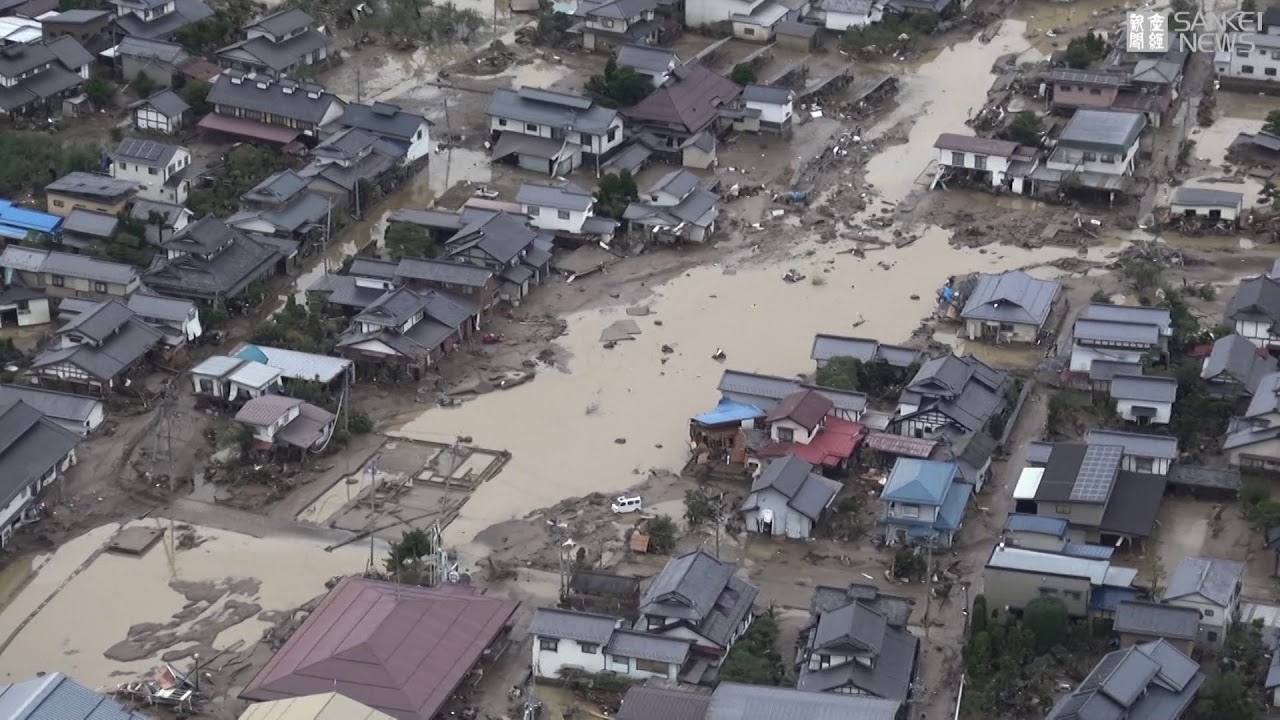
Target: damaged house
<point>1096,151</point>
<point>856,643</point>
<point>1009,307</point>
<point>503,244</point>
<point>804,425</point>
<point>34,453</point>
<point>999,164</point>
<point>684,118</point>
<point>408,330</point>
<point>675,208</point>
<point>97,350</point>
<point>277,420</point>
<point>595,643</point>
<point>925,502</point>
<point>1236,366</point>
<point>566,211</point>
<point>1254,311</point>
<point>955,392</point>
<point>550,132</point>
<point>1119,333</point>
<point>211,263</point>
<point>700,598</point>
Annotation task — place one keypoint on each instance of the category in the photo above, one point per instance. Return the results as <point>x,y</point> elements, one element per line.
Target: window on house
<point>655,623</point>
<point>100,287</point>
<point>531,127</point>
<point>589,648</point>
<point>151,171</point>
<point>1246,69</point>
<point>908,511</point>
<point>1208,613</point>
<point>824,661</point>
<point>1275,54</point>
<point>57,280</point>
<point>748,31</point>
<point>535,210</point>
<point>651,666</point>
<point>786,434</point>
<point>549,644</point>
<point>613,134</point>
<point>957,158</point>
<point>1090,157</point>
<point>1095,91</point>
<point>1072,594</point>
<point>58,203</point>
<point>1048,592</point>
<point>206,386</point>
<point>1213,636</point>
<point>607,23</point>
<point>502,122</point>
<point>1269,72</point>
<point>1107,158</point>
<point>1062,509</point>
<point>562,214</point>
<point>980,162</point>
<point>1144,465</point>
<point>622,660</point>
<point>1242,52</point>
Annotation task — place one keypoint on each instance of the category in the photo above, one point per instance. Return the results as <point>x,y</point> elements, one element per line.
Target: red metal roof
<point>901,445</point>
<point>399,649</point>
<point>251,129</point>
<point>835,442</point>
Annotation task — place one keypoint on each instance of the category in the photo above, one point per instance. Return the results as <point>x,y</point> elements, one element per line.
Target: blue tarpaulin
<point>16,221</point>
<point>251,352</point>
<point>729,411</point>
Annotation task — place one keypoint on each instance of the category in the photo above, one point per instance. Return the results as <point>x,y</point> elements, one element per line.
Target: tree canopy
<point>616,191</point>
<point>618,86</point>
<point>409,240</point>
<point>1083,51</point>
<point>29,161</point>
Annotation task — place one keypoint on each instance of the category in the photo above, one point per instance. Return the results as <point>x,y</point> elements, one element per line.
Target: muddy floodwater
<point>563,427</point>
<point>221,588</point>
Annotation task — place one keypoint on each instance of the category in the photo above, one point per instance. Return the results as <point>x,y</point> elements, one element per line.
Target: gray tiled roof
<point>544,107</point>
<point>1011,297</point>
<point>1087,330</point>
<point>66,264</point>
<point>766,391</point>
<point>54,404</point>
<point>806,491</point>
<point>1155,316</point>
<point>1102,130</point>
<point>678,183</point>
<point>501,236</point>
<point>87,222</point>
<point>643,646</point>
<point>857,630</point>
<point>382,119</point>
<point>1162,447</point>
<point>1151,681</point>
<point>277,189</point>
<point>92,185</point>
<point>149,49</point>
<point>296,103</point>
<point>647,702</point>
<point>100,321</point>
<point>1041,524</point>
<point>394,308</point>
<point>185,13</point>
<point>276,57</point>
<point>566,197</point>
<point>283,22</point>
<point>167,103</point>
<point>645,58</point>
<point>572,625</point>
<point>128,345</point>
<point>1154,619</point>
<point>735,701</point>
<point>57,697</point>
<point>1213,578</point>
<point>702,590</point>
<point>226,274</point>
<point>1202,197</point>
<point>1257,297</point>
<point>1235,359</point>
<point>1144,388</point>
<point>159,307</point>
<point>265,410</point>
<point>767,94</point>
<point>1082,77</point>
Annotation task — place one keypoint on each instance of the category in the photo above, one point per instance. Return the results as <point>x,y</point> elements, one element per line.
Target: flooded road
<point>222,602</point>
<point>946,89</point>
<point>637,393</point>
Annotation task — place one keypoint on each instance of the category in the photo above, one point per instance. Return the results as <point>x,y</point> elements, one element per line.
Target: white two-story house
<point>1254,311</point>
<point>1253,58</point>
<point>699,597</point>
<point>158,19</point>
<point>566,641</point>
<point>550,132</point>
<point>1098,141</point>
<point>984,159</point>
<point>159,169</point>
<point>615,23</point>
<point>771,107</point>
<point>1210,586</point>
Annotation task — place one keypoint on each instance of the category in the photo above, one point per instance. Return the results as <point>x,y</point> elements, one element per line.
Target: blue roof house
<point>924,502</point>
<point>16,222</point>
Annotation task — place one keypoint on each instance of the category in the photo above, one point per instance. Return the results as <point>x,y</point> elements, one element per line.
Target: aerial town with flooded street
<point>639,360</point>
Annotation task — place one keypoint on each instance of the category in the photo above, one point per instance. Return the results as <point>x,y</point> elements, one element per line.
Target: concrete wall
<point>1014,332</point>
<point>1260,456</point>
<point>786,521</point>
<point>1082,356</point>
<point>1209,213</point>
<point>997,166</point>
<point>1125,409</point>
<point>62,205</point>
<point>1069,159</point>
<point>1081,514</point>
<point>1084,96</point>
<point>553,219</point>
<point>840,21</point>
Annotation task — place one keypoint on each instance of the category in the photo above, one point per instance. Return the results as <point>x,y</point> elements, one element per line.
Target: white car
<point>626,504</point>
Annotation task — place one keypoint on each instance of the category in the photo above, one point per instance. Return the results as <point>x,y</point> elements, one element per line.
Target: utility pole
<point>359,87</point>
<point>373,499</point>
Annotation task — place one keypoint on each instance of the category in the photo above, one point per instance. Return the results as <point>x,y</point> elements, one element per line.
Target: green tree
<point>1083,51</point>
<point>1026,128</point>
<point>1272,125</point>
<point>662,535</point>
<point>143,86</point>
<point>618,86</point>
<point>698,507</point>
<point>242,168</point>
<point>409,240</point>
<point>196,94</point>
<point>1047,619</point>
<point>754,659</point>
<point>1224,695</point>
<point>100,92</point>
<point>406,554</point>
<point>850,373</point>
<point>980,615</point>
<point>616,191</point>
<point>979,656</point>
<point>743,74</point>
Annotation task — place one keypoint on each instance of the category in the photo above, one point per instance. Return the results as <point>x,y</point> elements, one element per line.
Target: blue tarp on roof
<point>251,352</point>
<point>1085,550</point>
<point>1108,599</point>
<point>729,411</point>
<point>16,221</point>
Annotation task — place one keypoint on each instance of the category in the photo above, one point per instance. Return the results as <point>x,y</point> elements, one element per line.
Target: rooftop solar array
<point>1097,473</point>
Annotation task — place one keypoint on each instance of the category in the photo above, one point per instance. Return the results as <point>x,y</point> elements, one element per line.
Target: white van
<point>625,504</point>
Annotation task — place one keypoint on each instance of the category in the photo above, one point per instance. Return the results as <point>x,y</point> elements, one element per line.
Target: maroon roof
<point>690,102</point>
<point>805,408</point>
<point>399,649</point>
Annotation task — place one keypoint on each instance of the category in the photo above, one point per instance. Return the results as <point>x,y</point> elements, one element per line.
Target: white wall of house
<point>1082,356</point>
<point>1219,212</point>
<point>1215,620</point>
<point>1070,159</point>
<point>11,512</point>
<point>784,520</point>
<point>1258,333</point>
<point>1125,409</point>
<point>780,430</point>
<point>28,312</point>
<point>911,512</point>
<point>1263,455</point>
<point>147,118</point>
<point>1149,465</point>
<point>1008,332</point>
<point>555,219</point>
<point>710,12</point>
<point>151,180</point>
<point>842,21</point>
<point>997,166</point>
<point>420,145</point>
<point>1249,62</point>
<point>552,655</point>
<point>772,112</point>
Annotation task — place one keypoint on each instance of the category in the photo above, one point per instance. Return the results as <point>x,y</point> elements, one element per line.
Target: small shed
<point>798,36</point>
<point>164,111</point>
<point>1145,400</point>
<point>1207,205</point>
<point>699,151</point>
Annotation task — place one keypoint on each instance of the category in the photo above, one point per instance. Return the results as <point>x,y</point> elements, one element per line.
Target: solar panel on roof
<point>1097,473</point>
